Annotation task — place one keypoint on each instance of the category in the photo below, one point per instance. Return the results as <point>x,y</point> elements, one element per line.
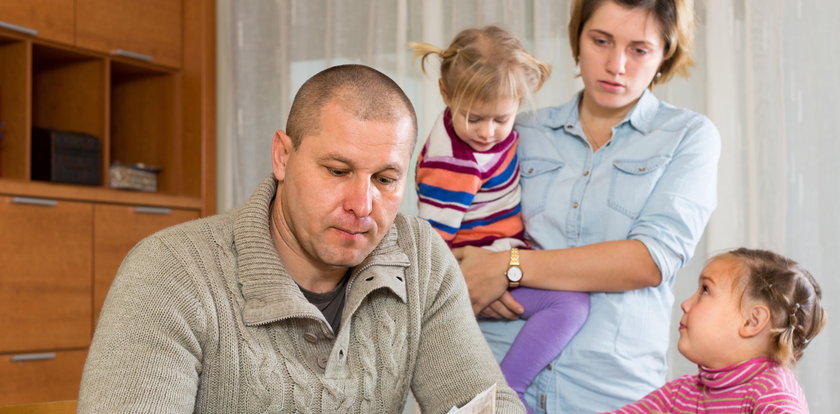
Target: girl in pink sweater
<point>750,320</point>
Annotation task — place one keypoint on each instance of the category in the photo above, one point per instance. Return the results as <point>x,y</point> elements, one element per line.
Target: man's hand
<point>484,272</point>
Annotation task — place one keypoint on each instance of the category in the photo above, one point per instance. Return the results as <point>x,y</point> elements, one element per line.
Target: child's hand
<point>505,308</point>
<point>484,272</point>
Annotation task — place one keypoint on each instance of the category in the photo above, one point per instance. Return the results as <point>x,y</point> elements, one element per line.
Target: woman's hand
<point>484,272</point>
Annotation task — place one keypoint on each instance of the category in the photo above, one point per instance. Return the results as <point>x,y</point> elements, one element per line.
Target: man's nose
<point>359,197</point>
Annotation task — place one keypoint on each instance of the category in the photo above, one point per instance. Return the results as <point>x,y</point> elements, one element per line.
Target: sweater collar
<point>735,374</point>
<point>269,291</point>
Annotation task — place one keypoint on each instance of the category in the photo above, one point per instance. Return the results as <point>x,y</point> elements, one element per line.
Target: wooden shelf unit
<point>61,244</point>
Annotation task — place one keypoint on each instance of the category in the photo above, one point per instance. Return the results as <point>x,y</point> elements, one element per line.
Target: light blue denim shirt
<point>654,181</point>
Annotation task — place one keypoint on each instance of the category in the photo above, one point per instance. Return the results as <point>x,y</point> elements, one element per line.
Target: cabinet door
<point>116,230</point>
<point>45,274</point>
<point>53,19</point>
<point>48,376</point>
<point>150,28</point>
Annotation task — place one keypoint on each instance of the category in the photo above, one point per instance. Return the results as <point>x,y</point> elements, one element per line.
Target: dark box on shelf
<point>65,157</point>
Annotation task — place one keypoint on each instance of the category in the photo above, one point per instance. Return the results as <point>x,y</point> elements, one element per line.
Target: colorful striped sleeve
<point>445,192</point>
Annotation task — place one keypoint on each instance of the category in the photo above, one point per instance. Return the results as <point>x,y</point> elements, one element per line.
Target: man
<point>314,296</point>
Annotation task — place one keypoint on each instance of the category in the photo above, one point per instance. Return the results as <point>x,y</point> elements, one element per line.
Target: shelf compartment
<point>14,108</point>
<point>145,121</point>
<point>69,92</point>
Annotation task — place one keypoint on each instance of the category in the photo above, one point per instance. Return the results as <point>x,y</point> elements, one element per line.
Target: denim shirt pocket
<point>536,178</point>
<point>633,182</point>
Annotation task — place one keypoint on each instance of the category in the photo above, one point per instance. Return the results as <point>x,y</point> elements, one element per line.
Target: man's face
<point>342,187</point>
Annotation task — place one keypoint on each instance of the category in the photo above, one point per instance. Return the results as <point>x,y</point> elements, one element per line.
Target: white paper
<point>483,403</point>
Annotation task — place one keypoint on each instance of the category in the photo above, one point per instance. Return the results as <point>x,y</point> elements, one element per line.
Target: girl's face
<point>620,52</point>
<point>712,316</point>
<point>487,123</point>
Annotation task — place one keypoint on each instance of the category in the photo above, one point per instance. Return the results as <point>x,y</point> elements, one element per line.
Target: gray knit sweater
<point>202,317</point>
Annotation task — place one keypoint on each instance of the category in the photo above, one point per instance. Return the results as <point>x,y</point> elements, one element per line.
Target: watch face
<point>514,274</point>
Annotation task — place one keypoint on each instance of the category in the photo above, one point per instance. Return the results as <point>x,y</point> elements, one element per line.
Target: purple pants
<point>553,318</point>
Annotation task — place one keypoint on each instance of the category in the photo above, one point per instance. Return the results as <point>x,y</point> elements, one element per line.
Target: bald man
<point>314,296</point>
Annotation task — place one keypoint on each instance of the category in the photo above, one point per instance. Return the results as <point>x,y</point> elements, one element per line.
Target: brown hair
<point>360,90</point>
<point>792,295</point>
<point>484,64</point>
<point>676,18</point>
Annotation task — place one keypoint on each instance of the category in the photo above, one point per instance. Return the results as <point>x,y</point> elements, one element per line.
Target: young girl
<point>468,180</point>
<point>749,321</point>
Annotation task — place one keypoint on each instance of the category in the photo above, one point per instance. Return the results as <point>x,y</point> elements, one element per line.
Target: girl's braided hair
<point>791,293</point>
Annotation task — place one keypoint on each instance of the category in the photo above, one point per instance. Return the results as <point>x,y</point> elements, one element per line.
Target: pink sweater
<point>756,386</point>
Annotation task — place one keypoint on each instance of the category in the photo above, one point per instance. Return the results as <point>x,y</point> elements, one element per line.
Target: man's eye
<point>385,180</point>
<point>337,172</point>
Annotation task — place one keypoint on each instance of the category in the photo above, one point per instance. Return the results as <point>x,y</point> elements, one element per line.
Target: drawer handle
<point>34,201</point>
<point>19,29</point>
<point>133,55</point>
<point>33,357</point>
<point>152,210</point>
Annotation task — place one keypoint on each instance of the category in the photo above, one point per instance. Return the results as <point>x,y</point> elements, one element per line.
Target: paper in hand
<point>483,403</point>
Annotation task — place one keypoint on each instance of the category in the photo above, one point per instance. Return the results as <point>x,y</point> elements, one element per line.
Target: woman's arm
<point>612,266</point>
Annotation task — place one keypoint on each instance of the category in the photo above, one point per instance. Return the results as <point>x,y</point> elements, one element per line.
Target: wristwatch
<point>514,272</point>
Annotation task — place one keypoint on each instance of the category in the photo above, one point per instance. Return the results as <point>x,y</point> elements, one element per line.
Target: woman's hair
<point>791,293</point>
<point>675,16</point>
<point>483,65</point>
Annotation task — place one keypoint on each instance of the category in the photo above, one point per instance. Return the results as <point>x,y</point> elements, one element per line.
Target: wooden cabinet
<point>48,19</point>
<point>46,376</point>
<point>148,30</point>
<point>116,230</point>
<point>45,268</point>
<point>57,262</point>
<point>61,244</point>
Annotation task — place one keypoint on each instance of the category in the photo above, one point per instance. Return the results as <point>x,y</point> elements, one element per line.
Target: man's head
<point>342,167</point>
<point>362,91</point>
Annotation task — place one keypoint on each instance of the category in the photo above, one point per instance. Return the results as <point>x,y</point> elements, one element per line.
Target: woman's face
<point>620,52</point>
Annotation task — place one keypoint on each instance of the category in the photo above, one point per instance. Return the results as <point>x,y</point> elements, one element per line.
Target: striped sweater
<point>469,197</point>
<point>756,386</point>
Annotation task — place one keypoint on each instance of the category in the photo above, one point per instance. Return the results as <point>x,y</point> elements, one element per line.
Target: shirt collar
<point>269,291</point>
<point>640,117</point>
<point>735,374</point>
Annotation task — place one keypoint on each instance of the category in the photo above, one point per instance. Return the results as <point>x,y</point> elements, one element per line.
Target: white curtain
<point>766,75</point>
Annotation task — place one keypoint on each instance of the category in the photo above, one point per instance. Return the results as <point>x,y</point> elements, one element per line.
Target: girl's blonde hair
<point>792,295</point>
<point>676,18</point>
<point>484,64</point>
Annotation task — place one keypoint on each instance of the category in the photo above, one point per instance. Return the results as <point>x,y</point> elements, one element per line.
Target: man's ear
<point>443,93</point>
<point>756,320</point>
<point>281,148</point>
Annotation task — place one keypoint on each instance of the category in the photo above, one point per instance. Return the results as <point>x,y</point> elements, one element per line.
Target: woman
<point>617,189</point>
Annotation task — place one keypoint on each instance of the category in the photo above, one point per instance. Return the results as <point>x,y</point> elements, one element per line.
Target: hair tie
<point>792,317</point>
